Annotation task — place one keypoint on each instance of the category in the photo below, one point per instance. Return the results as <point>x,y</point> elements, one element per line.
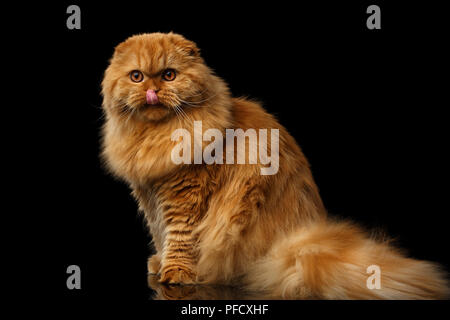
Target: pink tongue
<point>151,96</point>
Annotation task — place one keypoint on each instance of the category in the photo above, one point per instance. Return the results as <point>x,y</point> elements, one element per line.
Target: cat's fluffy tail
<point>329,260</point>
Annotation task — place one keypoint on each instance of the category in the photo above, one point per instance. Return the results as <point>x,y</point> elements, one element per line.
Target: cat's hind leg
<point>154,264</point>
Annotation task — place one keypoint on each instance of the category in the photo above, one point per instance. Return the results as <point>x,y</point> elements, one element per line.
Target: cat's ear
<point>191,48</point>
<point>186,46</point>
<point>119,49</point>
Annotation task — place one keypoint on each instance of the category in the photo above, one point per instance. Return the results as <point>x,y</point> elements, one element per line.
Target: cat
<point>226,223</point>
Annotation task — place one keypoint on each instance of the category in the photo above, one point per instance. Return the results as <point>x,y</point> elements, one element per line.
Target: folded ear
<point>186,46</point>
<point>191,49</point>
<point>119,49</point>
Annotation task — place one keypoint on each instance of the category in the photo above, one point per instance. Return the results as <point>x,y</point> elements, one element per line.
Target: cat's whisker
<point>191,96</point>
<point>125,111</point>
<point>197,103</point>
<point>174,104</point>
<point>102,115</point>
<point>183,114</point>
<point>195,106</point>
<point>175,109</point>
<point>198,94</point>
<point>190,118</point>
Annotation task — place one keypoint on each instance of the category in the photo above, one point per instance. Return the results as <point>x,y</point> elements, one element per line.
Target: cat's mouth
<point>152,107</point>
<point>153,112</point>
<point>157,105</point>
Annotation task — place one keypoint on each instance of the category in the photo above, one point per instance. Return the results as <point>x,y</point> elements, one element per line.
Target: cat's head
<point>154,75</point>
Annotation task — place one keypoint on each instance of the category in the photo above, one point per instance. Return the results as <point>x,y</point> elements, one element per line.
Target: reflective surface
<point>199,292</point>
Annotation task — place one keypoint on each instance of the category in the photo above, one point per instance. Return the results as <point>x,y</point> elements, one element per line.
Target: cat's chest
<point>137,157</point>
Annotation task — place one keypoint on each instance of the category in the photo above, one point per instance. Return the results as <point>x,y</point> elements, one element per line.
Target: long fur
<point>228,224</point>
<point>329,261</point>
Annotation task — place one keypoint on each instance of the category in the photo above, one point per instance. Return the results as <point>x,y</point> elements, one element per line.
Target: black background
<point>366,106</point>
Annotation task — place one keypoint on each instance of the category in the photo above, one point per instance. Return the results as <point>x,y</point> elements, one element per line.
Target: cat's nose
<point>151,96</point>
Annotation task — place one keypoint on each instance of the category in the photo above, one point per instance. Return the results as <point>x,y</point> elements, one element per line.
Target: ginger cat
<point>228,223</point>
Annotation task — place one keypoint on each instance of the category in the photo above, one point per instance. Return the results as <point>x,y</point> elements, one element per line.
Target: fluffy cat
<point>227,223</point>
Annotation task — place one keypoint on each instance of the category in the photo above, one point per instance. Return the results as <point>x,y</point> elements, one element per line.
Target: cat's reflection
<point>198,292</point>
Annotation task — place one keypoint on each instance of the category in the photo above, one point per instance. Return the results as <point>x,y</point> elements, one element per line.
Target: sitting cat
<point>228,223</point>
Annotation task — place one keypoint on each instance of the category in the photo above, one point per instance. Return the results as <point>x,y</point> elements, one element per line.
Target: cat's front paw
<point>177,275</point>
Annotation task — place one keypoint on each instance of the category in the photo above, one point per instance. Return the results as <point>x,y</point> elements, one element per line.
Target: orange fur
<point>329,260</point>
<point>228,224</point>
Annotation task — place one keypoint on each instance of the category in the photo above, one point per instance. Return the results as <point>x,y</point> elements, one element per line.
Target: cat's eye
<point>136,76</point>
<point>169,75</point>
